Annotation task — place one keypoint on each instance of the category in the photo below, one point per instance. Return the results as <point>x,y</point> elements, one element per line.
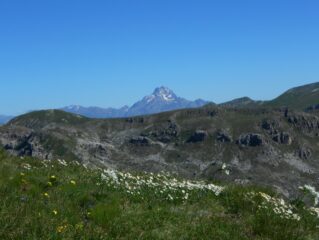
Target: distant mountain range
<point>161,100</point>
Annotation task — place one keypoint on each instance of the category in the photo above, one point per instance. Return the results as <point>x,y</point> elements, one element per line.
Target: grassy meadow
<point>65,200</point>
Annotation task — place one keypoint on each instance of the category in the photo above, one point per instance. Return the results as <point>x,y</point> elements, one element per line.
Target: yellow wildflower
<point>79,226</point>
<point>46,194</point>
<point>61,229</point>
<point>53,178</point>
<point>55,212</point>
<point>73,182</point>
<point>50,184</point>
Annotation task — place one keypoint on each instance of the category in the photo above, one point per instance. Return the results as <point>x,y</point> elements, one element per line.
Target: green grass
<point>297,98</point>
<point>52,201</point>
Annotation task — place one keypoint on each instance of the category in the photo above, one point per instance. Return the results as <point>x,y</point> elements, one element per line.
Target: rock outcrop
<point>251,140</point>
<point>198,136</point>
<point>283,138</point>
<point>270,125</point>
<point>140,141</point>
<point>224,136</point>
<point>304,152</point>
<point>23,142</point>
<point>306,123</point>
<point>165,133</point>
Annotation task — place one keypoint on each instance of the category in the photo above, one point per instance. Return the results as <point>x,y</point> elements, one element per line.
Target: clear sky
<point>113,52</point>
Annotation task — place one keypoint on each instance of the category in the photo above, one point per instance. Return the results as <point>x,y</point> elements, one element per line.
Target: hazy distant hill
<point>96,112</point>
<point>244,102</point>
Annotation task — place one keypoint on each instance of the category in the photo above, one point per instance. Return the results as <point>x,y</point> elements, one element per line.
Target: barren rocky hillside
<point>277,148</point>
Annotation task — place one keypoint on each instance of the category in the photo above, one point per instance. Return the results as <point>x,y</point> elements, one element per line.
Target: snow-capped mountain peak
<point>74,107</point>
<point>164,93</point>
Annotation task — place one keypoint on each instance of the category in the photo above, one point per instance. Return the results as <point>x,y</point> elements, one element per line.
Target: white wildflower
<point>224,166</point>
<point>315,211</point>
<point>111,173</point>
<point>62,162</point>
<point>170,197</point>
<point>277,205</point>
<point>313,192</point>
<point>26,166</point>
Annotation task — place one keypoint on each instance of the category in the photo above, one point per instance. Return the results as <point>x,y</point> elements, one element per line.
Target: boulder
<point>283,138</point>
<point>101,150</point>
<point>20,145</point>
<point>198,136</point>
<point>251,140</point>
<point>224,136</point>
<point>308,124</point>
<point>166,133</point>
<point>140,141</point>
<point>312,108</point>
<point>304,153</point>
<point>270,126</point>
<point>24,147</point>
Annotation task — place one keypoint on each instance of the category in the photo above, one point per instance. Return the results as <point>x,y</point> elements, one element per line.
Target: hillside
<point>298,98</point>
<point>267,147</point>
<point>65,200</point>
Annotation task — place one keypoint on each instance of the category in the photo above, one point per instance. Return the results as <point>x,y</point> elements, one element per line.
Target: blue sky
<point>111,53</point>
